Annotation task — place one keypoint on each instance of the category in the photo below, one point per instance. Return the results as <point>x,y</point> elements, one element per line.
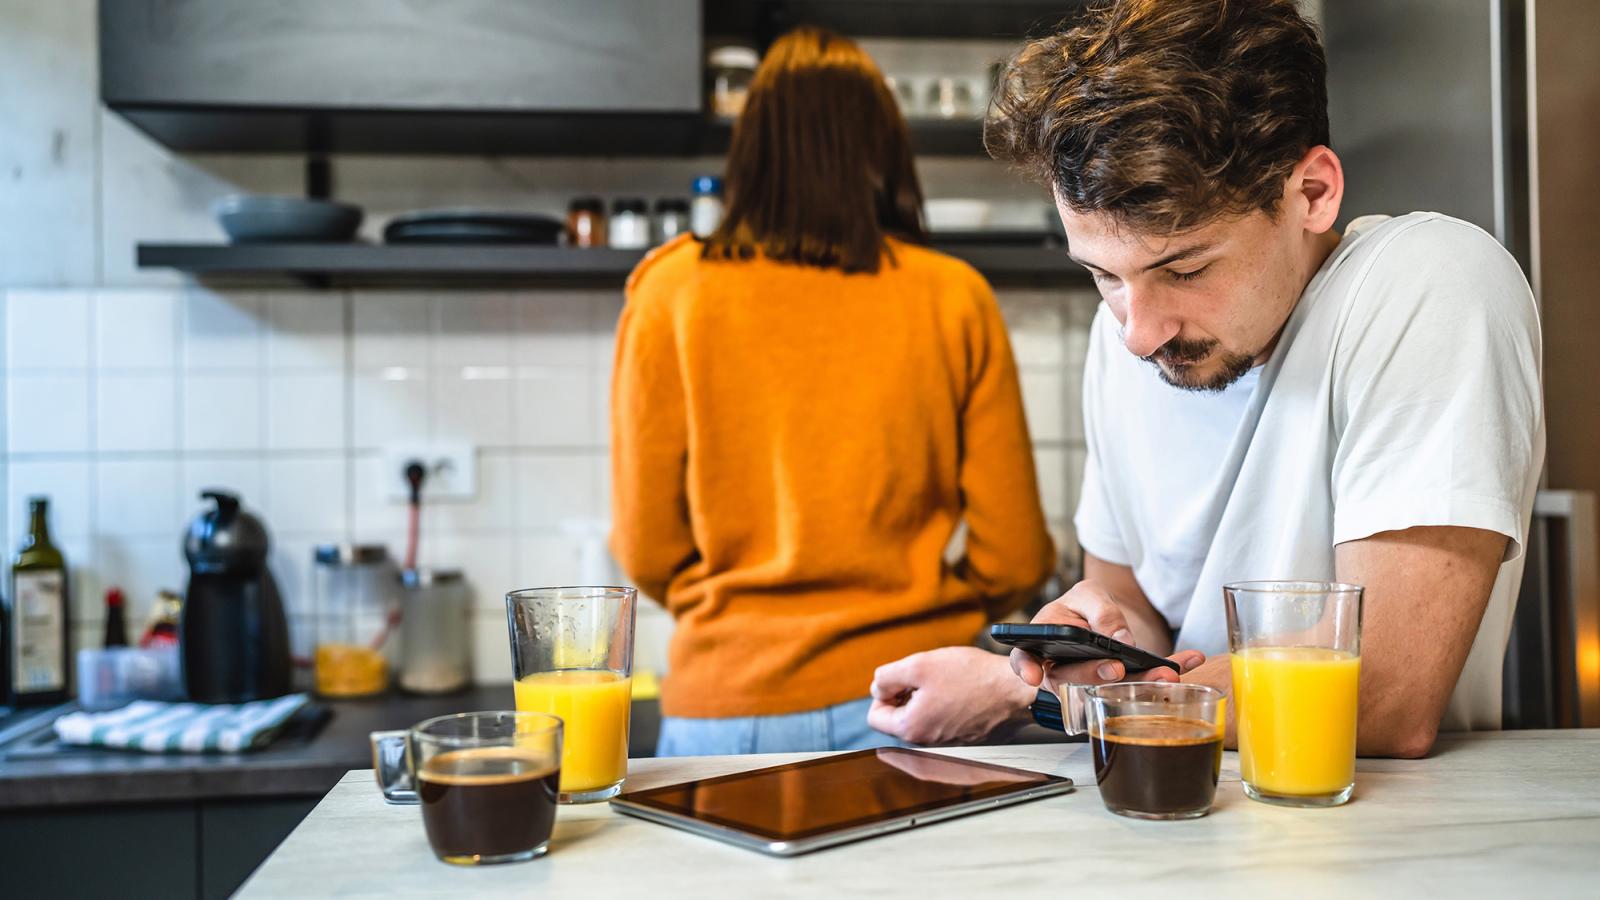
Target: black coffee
<point>488,802</point>
<point>1157,765</point>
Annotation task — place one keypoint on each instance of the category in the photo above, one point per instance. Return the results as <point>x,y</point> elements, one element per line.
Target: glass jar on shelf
<point>731,70</point>
<point>629,227</point>
<point>586,222</point>
<point>356,615</point>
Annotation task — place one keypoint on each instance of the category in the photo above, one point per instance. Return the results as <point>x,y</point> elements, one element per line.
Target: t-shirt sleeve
<point>1437,402</point>
<point>1095,521</point>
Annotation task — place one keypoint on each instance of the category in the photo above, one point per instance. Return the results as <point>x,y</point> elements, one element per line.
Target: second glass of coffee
<point>1157,747</point>
<point>487,783</point>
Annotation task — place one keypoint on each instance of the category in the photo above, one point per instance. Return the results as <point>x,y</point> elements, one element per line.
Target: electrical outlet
<point>452,468</point>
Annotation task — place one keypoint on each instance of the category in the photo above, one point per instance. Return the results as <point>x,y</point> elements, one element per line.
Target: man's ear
<point>1317,185</point>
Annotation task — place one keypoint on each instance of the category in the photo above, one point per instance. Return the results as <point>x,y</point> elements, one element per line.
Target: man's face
<point>1202,306</point>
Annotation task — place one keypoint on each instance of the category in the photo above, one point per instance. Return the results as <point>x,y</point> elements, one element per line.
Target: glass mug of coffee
<point>486,782</point>
<point>1157,746</point>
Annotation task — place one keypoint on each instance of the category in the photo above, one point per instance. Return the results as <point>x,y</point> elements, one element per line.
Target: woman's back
<point>794,448</point>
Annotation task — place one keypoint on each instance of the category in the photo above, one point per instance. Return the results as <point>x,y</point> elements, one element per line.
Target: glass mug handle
<point>392,764</point>
<point>1069,713</point>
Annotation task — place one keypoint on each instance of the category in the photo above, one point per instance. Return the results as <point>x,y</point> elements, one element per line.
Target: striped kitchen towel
<point>156,727</point>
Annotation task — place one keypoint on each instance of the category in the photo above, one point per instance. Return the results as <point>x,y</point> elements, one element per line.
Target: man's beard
<point>1180,354</point>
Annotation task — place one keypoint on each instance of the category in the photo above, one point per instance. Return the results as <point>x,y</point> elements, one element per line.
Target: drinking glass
<point>1296,652</point>
<point>1157,746</point>
<point>572,654</point>
<point>486,781</point>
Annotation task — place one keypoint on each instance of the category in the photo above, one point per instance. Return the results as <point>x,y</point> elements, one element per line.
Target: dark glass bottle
<point>37,622</point>
<point>116,619</point>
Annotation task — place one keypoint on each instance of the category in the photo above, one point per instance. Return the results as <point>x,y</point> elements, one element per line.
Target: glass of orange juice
<point>1296,664</point>
<point>572,653</point>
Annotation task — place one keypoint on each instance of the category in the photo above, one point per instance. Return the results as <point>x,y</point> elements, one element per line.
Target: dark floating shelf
<point>353,264</point>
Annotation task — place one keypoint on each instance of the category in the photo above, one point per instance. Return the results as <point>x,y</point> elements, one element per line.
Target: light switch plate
<point>452,470</point>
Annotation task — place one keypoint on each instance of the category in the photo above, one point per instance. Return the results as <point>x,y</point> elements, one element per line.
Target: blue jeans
<point>842,727</point>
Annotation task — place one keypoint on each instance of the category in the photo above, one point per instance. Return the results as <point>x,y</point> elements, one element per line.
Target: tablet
<point>796,808</point>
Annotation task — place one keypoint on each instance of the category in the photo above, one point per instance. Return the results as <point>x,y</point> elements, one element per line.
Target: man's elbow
<point>1410,741</point>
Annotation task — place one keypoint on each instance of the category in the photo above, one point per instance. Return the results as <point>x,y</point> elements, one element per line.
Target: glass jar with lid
<point>434,631</point>
<point>629,227</point>
<point>731,69</point>
<point>356,614</point>
<point>586,222</point>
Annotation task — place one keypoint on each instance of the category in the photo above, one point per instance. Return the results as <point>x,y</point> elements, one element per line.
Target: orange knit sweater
<point>792,451</point>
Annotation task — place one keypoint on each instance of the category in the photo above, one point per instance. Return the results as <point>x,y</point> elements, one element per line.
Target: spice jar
<point>705,210</point>
<point>586,222</point>
<point>672,218</point>
<point>630,224</point>
<point>731,70</point>
<point>357,609</point>
<point>434,633</point>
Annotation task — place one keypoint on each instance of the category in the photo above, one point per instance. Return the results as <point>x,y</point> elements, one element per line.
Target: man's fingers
<point>1090,671</point>
<point>1027,667</point>
<point>886,718</point>
<point>894,680</point>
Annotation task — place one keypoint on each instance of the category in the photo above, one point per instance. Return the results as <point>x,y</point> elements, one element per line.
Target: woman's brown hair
<point>819,168</point>
<point>1166,114</point>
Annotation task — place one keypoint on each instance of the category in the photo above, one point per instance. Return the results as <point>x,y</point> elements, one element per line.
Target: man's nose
<point>1146,326</point>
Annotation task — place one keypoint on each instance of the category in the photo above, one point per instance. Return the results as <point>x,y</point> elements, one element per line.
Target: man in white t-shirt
<point>1264,398</point>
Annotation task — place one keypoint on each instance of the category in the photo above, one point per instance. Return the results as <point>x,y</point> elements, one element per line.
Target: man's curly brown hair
<point>1166,114</point>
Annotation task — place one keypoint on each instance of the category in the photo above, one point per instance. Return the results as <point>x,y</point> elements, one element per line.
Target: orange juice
<point>1296,710</point>
<point>594,705</point>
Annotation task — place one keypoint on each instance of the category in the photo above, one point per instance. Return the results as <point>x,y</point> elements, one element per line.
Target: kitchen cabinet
<point>394,76</point>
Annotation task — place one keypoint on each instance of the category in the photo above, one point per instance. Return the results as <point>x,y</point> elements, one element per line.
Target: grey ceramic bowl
<point>256,220</point>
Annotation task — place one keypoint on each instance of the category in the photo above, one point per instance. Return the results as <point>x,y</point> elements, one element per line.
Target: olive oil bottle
<point>37,620</point>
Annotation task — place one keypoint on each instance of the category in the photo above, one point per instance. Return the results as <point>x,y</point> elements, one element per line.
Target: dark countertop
<point>36,770</point>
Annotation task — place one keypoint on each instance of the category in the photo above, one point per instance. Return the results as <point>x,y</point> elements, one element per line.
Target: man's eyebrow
<point>1170,258</point>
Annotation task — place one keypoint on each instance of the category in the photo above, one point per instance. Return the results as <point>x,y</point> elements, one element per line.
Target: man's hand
<point>1089,605</point>
<point>953,695</point>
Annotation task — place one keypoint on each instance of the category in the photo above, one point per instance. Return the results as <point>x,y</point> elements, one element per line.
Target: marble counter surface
<point>1507,814</point>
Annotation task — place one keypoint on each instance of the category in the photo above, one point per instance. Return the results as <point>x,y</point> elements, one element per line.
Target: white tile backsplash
<point>135,412</point>
<point>1044,403</point>
<point>305,330</point>
<point>489,561</point>
<point>306,495</point>
<point>223,411</point>
<point>491,511</point>
<point>244,477</point>
<point>66,482</point>
<point>554,407</point>
<point>222,330</point>
<point>389,406</point>
<point>47,329</point>
<point>553,488</point>
<point>474,329</point>
<point>136,329</point>
<point>138,498</point>
<point>390,328</point>
<point>306,411</point>
<point>491,648</point>
<point>553,329</point>
<point>124,404</point>
<point>47,413</point>
<point>473,404</point>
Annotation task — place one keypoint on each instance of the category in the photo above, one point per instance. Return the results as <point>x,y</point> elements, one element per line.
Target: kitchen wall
<point>127,391</point>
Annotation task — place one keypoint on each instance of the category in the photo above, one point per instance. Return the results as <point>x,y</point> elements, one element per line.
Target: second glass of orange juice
<point>1296,665</point>
<point>572,653</point>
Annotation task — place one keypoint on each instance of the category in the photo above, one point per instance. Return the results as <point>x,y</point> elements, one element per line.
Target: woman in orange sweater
<point>805,407</point>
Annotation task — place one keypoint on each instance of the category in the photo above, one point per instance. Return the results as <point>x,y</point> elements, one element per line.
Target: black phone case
<point>1069,643</point>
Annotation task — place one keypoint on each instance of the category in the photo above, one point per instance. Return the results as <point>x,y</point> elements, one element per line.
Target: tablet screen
<point>806,799</point>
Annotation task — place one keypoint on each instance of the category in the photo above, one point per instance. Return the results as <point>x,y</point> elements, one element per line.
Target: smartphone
<point>1069,643</point>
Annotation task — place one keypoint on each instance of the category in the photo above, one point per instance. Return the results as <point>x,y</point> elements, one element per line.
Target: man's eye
<point>1190,276</point>
<point>1101,277</point>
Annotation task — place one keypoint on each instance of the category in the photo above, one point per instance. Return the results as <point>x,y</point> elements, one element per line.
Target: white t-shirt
<point>1404,391</point>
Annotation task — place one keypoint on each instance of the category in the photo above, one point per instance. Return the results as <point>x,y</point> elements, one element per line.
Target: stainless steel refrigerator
<point>1489,110</point>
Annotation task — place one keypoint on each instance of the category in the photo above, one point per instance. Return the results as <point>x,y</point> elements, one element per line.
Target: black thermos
<point>233,634</point>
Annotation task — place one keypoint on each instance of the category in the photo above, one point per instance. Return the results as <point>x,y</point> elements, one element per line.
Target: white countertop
<point>1492,814</point>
